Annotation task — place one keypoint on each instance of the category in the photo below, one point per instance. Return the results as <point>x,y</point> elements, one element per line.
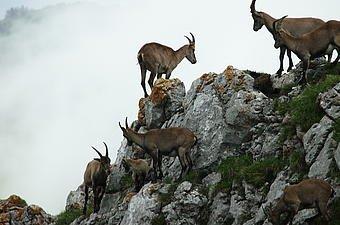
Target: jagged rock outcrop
<point>15,210</point>
<point>231,118</point>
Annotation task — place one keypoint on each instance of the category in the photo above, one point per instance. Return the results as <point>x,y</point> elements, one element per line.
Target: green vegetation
<point>241,168</point>
<point>126,181</point>
<point>304,108</point>
<point>158,220</point>
<point>67,217</point>
<point>336,129</point>
<point>165,198</point>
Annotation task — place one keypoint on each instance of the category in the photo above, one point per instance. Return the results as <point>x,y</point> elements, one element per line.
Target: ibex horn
<point>126,123</point>
<point>97,151</point>
<point>193,38</point>
<point>106,150</point>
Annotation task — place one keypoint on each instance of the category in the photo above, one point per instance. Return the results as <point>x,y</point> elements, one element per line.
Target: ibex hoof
<point>279,73</point>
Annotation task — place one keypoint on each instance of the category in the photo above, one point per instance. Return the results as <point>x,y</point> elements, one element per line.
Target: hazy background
<point>68,76</point>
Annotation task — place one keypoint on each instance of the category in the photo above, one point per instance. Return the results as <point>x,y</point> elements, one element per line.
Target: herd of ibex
<point>308,38</point>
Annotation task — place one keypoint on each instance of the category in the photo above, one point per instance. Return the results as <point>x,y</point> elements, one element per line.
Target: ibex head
<point>126,132</point>
<point>257,17</point>
<point>104,160</point>
<point>277,27</point>
<point>190,54</point>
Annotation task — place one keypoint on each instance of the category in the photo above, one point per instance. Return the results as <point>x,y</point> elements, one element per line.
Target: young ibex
<point>141,171</point>
<point>95,177</point>
<point>295,26</point>
<point>311,45</point>
<point>160,59</point>
<point>174,141</point>
<point>306,194</point>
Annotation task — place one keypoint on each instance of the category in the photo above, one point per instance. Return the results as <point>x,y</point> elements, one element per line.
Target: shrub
<point>67,217</point>
<point>158,220</point>
<point>304,108</point>
<point>241,168</point>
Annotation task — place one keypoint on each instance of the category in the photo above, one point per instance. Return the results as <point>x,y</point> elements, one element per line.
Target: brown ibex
<point>306,194</point>
<point>174,141</point>
<point>295,26</point>
<point>311,45</point>
<point>141,171</point>
<point>95,176</point>
<point>160,59</point>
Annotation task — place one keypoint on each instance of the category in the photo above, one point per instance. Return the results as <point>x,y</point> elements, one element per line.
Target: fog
<point>66,80</point>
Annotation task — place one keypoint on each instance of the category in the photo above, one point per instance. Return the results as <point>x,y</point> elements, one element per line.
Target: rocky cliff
<point>257,133</point>
<point>15,211</point>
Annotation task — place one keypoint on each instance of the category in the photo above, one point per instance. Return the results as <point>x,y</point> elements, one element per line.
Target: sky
<point>66,81</point>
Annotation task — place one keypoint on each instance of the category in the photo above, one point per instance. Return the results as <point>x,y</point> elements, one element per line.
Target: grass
<point>158,220</point>
<point>241,168</point>
<point>67,217</point>
<point>126,181</point>
<point>304,108</point>
<point>165,198</point>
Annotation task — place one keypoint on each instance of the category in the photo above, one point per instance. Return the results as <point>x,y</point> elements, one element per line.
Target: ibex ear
<point>278,24</point>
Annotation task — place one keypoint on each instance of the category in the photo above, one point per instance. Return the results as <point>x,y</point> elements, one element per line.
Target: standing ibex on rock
<point>311,45</point>
<point>95,176</point>
<point>295,26</point>
<point>306,194</point>
<point>160,59</point>
<point>174,141</point>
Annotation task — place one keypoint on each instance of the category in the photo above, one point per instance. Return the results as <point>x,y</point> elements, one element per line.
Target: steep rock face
<point>14,210</point>
<point>185,207</point>
<point>230,119</point>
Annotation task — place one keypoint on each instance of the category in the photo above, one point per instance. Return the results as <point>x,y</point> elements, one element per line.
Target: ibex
<point>306,194</point>
<point>295,26</point>
<point>141,171</point>
<point>160,59</point>
<point>174,141</point>
<point>311,45</point>
<point>95,176</point>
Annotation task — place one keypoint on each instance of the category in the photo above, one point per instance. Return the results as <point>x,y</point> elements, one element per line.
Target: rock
<point>141,112</point>
<point>337,156</point>
<point>14,210</point>
<point>212,179</point>
<point>165,100</point>
<point>143,206</point>
<point>304,215</point>
<point>320,168</point>
<point>220,111</point>
<point>275,192</point>
<point>330,102</point>
<point>76,199</point>
<point>285,79</point>
<point>186,206</point>
<point>114,181</point>
<point>219,210</point>
<point>314,139</point>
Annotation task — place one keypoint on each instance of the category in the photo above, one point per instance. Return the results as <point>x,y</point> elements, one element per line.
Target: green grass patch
<point>67,217</point>
<point>126,181</point>
<point>336,130</point>
<point>304,108</point>
<point>298,164</point>
<point>330,69</point>
<point>165,198</point>
<point>158,220</point>
<point>243,167</point>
